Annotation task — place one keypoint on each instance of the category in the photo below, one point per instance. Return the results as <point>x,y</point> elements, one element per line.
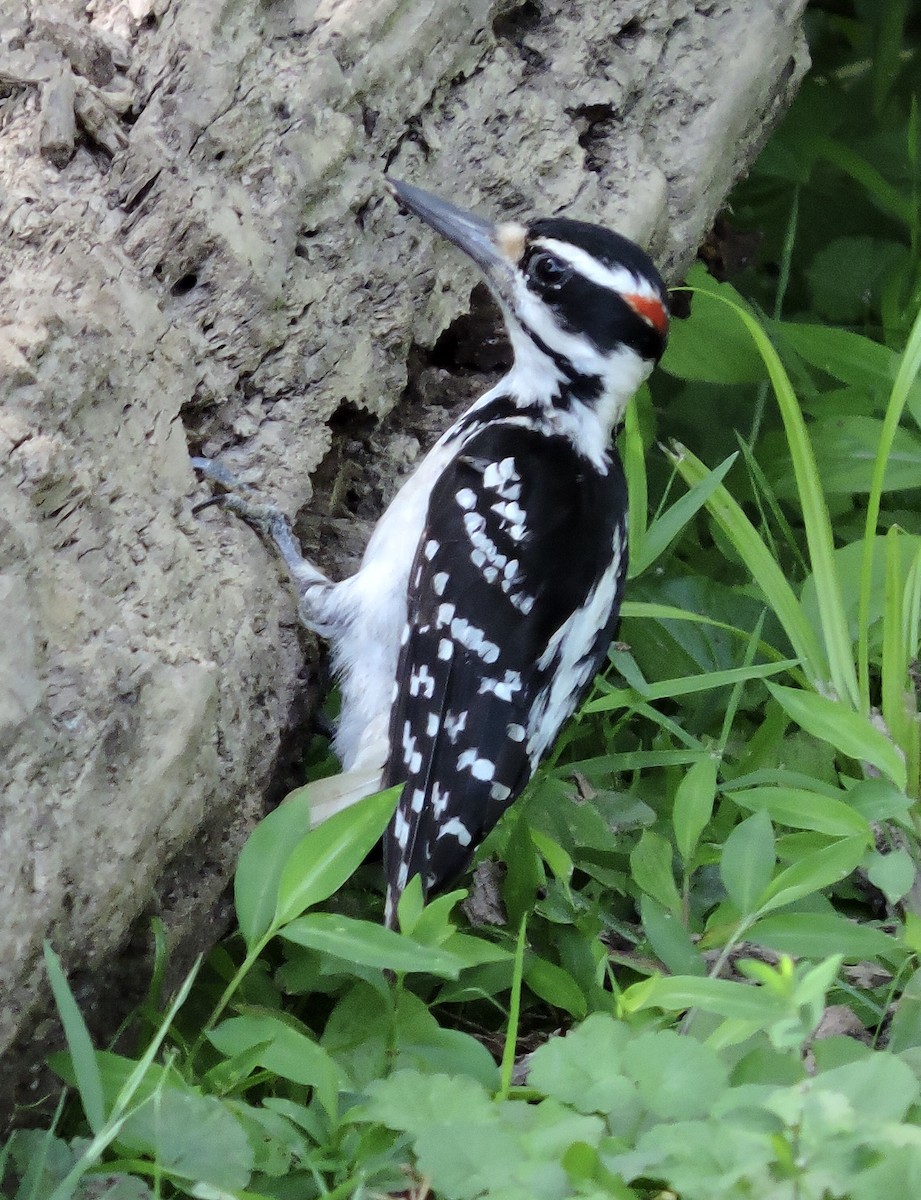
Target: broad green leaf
<point>369,944</point>
<point>433,925</point>
<point>553,855</point>
<point>651,867</point>
<point>846,730</point>
<point>845,453</point>
<point>879,800</point>
<point>408,1099</point>
<point>82,1054</point>
<point>801,809</point>
<point>893,873</point>
<point>584,1069</point>
<point>814,872</point>
<point>325,858</point>
<point>669,939</point>
<point>747,861</point>
<point>725,998</point>
<point>262,861</point>
<point>410,905</point>
<point>819,935</point>
<point>846,356</point>
<point>286,1051</point>
<point>845,275</point>
<point>693,806</point>
<point>678,1078</point>
<point>906,1021</point>
<point>419,1042</point>
<point>194,1137</point>
<point>690,353</point>
<point>880,1084</point>
<point>554,985</point>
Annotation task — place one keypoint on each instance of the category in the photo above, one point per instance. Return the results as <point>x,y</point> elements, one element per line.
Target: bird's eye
<point>548,271</point>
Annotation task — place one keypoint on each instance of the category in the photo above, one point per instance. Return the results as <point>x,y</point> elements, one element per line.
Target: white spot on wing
<point>457,829</point>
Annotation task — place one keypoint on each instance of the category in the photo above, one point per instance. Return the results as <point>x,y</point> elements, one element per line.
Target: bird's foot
<point>267,520</point>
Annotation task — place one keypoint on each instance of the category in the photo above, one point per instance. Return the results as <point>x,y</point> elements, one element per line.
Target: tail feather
<point>332,795</point>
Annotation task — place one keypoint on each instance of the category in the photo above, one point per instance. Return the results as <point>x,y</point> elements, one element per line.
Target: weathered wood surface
<point>196,252</point>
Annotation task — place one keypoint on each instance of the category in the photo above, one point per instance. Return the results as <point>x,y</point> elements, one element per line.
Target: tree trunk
<point>197,254</point>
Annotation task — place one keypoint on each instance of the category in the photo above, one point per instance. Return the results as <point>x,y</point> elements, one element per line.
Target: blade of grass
<point>689,685</point>
<point>120,1113</point>
<point>783,282</point>
<point>911,611</point>
<point>82,1054</point>
<point>768,504</point>
<point>895,656</point>
<point>634,458</point>
<point>908,369</point>
<point>664,529</point>
<point>509,1050</point>
<point>735,698</point>
<point>815,513</point>
<point>763,568</point>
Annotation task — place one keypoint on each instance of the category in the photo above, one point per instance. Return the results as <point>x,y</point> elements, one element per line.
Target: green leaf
<point>819,935</point>
<point>845,275</point>
<point>678,1078</point>
<point>761,564</point>
<point>841,727</point>
<point>690,353</point>
<point>419,1042</point>
<point>651,867</point>
<point>584,1068</point>
<point>879,800</point>
<point>845,453</point>
<point>554,985</point>
<point>693,806</point>
<point>194,1137</point>
<point>906,1021</point>
<point>747,861</point>
<point>82,1054</point>
<point>409,1100</point>
<point>664,529</point>
<point>369,944</point>
<point>846,356</point>
<point>553,855</point>
<point>893,873</point>
<point>814,872</point>
<point>801,809</point>
<point>669,939</point>
<point>323,860</point>
<point>262,861</point>
<point>725,998</point>
<point>286,1051</point>
<point>880,1084</point>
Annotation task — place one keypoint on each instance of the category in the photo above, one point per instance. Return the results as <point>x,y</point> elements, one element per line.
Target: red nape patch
<point>650,309</point>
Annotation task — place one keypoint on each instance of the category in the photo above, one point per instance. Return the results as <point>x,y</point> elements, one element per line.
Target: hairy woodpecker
<point>489,591</point>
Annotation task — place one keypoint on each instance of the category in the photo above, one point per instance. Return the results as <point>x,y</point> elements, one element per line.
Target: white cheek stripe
<point>617,279</point>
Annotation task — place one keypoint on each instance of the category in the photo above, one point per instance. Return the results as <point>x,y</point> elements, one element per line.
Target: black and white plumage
<point>489,591</point>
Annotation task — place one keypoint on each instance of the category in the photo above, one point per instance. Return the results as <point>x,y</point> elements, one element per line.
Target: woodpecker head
<point>584,306</point>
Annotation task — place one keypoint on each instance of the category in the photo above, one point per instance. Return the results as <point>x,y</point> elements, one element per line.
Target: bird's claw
<point>267,520</point>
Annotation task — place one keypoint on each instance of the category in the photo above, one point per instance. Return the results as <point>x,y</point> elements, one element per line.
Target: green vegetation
<point>713,887</point>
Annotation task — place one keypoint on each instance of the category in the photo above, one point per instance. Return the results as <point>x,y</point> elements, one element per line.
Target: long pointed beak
<point>476,237</point>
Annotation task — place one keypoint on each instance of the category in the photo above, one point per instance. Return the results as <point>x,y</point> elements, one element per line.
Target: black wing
<point>514,595</point>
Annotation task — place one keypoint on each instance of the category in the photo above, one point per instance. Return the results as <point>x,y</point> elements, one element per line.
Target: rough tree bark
<point>196,253</point>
